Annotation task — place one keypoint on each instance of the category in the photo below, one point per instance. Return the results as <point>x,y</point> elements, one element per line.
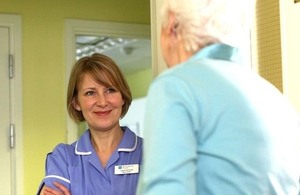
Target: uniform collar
<point>83,145</point>
<point>129,141</point>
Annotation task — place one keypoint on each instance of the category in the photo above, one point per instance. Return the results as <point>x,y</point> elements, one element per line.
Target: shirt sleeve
<point>169,143</point>
<point>57,167</point>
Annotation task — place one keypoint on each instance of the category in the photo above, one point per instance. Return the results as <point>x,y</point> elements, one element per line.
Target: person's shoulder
<point>165,82</point>
<point>178,74</point>
<point>63,148</point>
<point>133,134</point>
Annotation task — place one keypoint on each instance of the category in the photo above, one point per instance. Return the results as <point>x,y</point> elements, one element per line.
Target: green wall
<point>139,82</point>
<point>43,57</point>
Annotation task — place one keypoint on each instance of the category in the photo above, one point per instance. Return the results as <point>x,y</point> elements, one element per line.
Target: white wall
<point>290,37</point>
<point>134,118</point>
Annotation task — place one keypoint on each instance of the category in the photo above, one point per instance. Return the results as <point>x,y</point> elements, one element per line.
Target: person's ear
<point>173,25</point>
<point>75,105</point>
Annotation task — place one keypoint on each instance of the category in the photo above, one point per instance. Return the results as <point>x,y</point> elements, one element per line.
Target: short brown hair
<point>105,72</point>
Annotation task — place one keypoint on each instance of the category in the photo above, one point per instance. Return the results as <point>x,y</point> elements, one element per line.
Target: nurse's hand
<point>49,191</point>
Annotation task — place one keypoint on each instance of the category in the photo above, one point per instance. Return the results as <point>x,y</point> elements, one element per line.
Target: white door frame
<point>88,27</point>
<point>14,23</point>
<point>158,63</point>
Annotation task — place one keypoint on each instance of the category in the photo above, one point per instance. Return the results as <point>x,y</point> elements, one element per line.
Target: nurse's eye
<point>111,90</point>
<point>89,93</point>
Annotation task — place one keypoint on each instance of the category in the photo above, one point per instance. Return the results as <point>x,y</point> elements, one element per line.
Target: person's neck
<point>106,141</point>
<point>182,54</point>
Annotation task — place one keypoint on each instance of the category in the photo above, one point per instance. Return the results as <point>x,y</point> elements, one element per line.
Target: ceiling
<point>131,54</point>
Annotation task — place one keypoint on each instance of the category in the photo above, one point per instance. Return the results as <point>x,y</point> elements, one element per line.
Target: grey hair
<point>203,22</point>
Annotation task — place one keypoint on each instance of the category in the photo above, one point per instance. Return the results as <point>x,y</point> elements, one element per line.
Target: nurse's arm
<point>50,191</point>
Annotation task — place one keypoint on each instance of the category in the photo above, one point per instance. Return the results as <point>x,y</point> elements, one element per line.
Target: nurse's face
<point>101,106</point>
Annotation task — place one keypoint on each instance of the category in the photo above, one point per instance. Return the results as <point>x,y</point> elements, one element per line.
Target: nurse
<point>106,158</point>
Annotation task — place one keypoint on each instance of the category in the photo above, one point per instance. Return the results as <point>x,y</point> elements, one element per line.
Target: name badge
<point>126,169</point>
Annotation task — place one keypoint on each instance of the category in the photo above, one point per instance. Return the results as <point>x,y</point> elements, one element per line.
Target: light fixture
<point>87,45</point>
<point>127,50</point>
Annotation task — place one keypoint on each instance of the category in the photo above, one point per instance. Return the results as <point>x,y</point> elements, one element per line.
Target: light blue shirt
<point>78,167</point>
<point>215,127</point>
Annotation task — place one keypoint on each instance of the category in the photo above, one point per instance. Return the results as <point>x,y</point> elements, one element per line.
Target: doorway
<point>11,164</point>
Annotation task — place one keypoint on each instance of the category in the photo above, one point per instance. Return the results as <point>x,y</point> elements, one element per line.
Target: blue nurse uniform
<point>78,167</point>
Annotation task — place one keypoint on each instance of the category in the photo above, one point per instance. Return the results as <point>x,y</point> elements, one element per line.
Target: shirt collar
<point>219,51</point>
<point>83,145</point>
<point>129,141</point>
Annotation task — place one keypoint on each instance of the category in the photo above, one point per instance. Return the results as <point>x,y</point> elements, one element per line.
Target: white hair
<point>202,22</point>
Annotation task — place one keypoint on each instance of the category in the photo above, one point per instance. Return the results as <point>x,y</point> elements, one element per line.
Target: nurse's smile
<point>103,113</point>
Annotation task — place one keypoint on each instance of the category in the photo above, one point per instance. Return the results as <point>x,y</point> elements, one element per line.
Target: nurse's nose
<point>101,100</point>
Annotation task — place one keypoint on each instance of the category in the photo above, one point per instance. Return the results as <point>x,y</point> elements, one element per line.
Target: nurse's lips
<point>102,113</point>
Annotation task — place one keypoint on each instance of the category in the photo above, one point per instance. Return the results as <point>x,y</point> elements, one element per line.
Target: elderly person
<point>106,158</point>
<point>213,126</point>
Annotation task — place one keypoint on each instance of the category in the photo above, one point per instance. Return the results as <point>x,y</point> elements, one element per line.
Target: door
<point>5,151</point>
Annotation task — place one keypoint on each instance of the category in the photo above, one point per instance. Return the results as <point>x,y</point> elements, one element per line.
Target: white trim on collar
<point>129,149</point>
<point>81,153</point>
